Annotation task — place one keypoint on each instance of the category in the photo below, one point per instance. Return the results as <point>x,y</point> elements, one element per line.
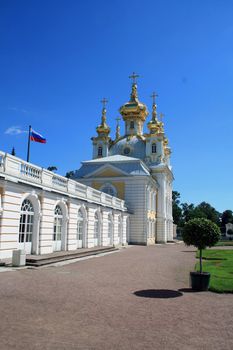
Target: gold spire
<point>103,127</point>
<point>118,128</point>
<point>154,124</point>
<point>134,91</point>
<point>134,110</point>
<point>154,107</point>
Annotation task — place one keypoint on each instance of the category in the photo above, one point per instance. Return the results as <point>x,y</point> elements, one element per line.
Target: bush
<point>230,232</point>
<point>201,233</point>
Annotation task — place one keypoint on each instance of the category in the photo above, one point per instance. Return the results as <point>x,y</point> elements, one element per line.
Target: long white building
<point>124,194</point>
<point>42,212</point>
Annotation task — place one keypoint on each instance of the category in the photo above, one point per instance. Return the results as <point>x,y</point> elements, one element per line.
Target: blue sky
<point>58,59</point>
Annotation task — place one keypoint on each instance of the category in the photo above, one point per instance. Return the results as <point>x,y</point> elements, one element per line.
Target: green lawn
<point>224,243</point>
<point>220,264</point>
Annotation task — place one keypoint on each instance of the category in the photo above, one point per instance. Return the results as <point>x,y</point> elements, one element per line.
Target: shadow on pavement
<point>158,293</point>
<point>188,251</point>
<point>187,290</point>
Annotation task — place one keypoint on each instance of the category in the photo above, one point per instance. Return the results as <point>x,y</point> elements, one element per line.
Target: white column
<point>161,210</point>
<point>115,229</point>
<point>10,216</point>
<point>46,225</point>
<point>72,226</point>
<point>105,238</point>
<point>125,222</point>
<point>90,226</point>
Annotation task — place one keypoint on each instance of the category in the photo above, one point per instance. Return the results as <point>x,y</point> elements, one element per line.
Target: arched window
<point>80,226</point>
<point>57,227</point>
<point>109,226</point>
<point>96,226</point>
<point>109,189</point>
<point>153,147</point>
<point>119,226</point>
<point>131,125</point>
<point>26,222</point>
<point>100,151</point>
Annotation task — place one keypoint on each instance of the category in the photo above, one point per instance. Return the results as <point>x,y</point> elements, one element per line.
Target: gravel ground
<point>138,298</point>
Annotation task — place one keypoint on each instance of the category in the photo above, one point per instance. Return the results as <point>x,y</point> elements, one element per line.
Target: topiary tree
<point>201,233</point>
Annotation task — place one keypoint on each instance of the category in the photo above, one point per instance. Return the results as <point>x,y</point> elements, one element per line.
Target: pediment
<point>107,170</point>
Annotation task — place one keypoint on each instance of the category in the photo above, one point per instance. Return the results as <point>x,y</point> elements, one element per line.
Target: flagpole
<point>29,142</point>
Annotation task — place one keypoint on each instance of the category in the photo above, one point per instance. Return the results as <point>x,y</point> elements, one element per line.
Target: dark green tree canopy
<point>69,174</point>
<point>201,233</point>
<point>52,168</point>
<point>176,209</point>
<point>13,151</point>
<point>226,217</point>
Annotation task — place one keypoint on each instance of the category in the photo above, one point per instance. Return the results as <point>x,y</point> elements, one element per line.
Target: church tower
<point>134,112</point>
<point>102,141</point>
<point>135,166</point>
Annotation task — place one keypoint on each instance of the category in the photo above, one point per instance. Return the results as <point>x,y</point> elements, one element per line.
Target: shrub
<point>201,233</point>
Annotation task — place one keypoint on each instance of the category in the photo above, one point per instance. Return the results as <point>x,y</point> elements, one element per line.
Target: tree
<point>187,211</point>
<point>13,151</point>
<point>226,217</point>
<point>176,209</point>
<point>201,233</point>
<point>205,210</point>
<point>69,174</point>
<point>52,168</point>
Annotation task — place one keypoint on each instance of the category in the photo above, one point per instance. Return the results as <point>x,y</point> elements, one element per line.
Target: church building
<point>135,167</point>
<point>123,195</point>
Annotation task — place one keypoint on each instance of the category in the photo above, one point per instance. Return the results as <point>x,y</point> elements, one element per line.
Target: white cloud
<point>14,130</point>
<point>20,110</point>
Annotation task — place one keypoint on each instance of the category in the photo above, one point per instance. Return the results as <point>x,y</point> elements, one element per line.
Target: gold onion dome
<point>154,125</point>
<point>134,108</point>
<point>103,128</point>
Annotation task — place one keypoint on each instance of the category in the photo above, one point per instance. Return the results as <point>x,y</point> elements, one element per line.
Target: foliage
<point>205,210</point>
<point>13,151</point>
<point>230,232</point>
<point>187,211</point>
<point>69,174</point>
<point>220,264</point>
<point>176,209</point>
<point>201,233</point>
<point>226,217</point>
<point>52,168</point>
<point>183,212</point>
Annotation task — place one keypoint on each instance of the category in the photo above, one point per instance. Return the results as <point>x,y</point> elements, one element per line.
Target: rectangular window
<point>131,125</point>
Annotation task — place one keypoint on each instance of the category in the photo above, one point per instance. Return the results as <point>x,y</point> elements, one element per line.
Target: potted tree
<point>200,233</point>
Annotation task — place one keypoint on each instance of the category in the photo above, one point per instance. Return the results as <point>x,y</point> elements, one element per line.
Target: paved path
<point>92,305</point>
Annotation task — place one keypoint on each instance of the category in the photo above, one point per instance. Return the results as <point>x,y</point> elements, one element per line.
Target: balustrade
<point>16,167</point>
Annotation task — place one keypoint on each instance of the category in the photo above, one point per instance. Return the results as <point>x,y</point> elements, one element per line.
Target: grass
<point>224,243</point>
<point>220,265</point>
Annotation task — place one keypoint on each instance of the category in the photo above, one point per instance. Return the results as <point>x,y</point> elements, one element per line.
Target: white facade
<point>43,212</point>
<point>136,168</point>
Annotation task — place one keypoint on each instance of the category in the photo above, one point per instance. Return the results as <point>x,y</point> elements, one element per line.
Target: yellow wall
<point>120,187</point>
<point>108,173</point>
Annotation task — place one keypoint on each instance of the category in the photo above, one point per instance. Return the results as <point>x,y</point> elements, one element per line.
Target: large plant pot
<point>200,281</point>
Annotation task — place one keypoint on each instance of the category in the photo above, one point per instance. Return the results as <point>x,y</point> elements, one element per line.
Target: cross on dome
<point>134,77</point>
<point>104,101</point>
<point>154,95</point>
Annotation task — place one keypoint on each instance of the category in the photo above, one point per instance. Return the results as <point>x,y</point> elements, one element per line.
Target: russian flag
<point>34,136</point>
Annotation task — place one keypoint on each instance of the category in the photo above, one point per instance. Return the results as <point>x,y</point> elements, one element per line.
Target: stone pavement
<point>135,299</point>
